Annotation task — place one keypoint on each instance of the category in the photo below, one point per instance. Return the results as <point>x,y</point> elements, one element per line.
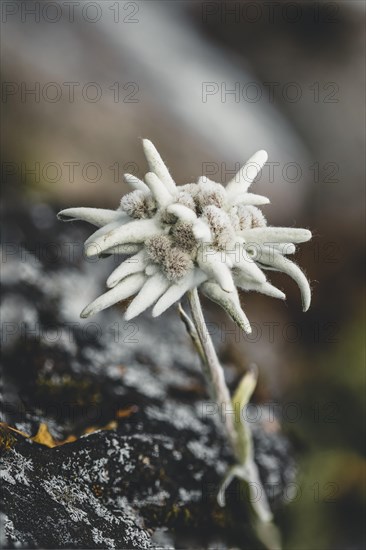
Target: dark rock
<point>145,458</point>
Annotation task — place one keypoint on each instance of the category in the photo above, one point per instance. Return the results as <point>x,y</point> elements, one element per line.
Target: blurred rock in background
<point>107,437</point>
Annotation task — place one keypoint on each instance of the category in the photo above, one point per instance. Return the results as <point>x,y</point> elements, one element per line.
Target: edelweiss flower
<point>195,235</point>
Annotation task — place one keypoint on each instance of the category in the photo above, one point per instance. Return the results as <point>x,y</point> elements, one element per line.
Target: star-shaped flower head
<point>200,235</point>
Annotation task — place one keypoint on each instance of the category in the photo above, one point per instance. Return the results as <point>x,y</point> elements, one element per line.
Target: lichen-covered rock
<point>137,453</point>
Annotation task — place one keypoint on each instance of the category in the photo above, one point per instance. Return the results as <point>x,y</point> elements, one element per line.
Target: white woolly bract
<point>196,235</point>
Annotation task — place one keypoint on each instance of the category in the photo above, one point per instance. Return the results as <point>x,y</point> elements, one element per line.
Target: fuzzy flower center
<point>175,250</point>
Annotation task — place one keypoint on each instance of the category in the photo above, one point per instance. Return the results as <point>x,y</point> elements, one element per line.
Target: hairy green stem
<point>213,370</point>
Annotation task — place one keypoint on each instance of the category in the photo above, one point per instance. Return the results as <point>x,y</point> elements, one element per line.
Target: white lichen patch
<point>81,505</point>
<point>209,455</point>
<point>12,475</point>
<point>68,495</point>
<point>8,533</point>
<point>99,538</point>
<point>180,416</point>
<point>122,452</point>
<point>156,499</point>
<point>133,524</point>
<point>96,472</point>
<point>189,496</point>
<point>138,377</point>
<point>177,455</point>
<point>6,529</point>
<point>58,337</point>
